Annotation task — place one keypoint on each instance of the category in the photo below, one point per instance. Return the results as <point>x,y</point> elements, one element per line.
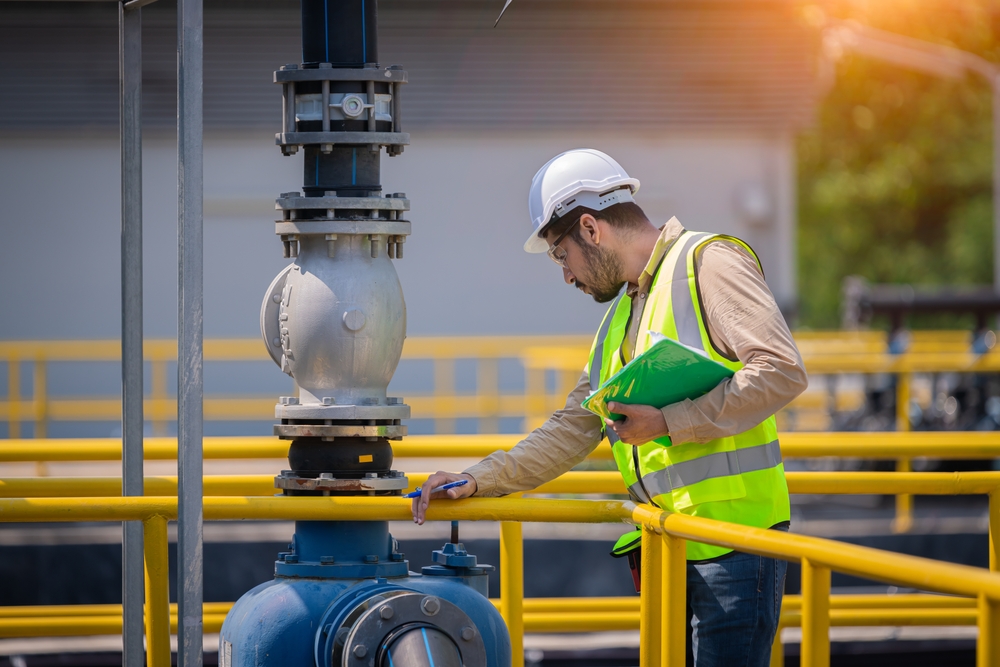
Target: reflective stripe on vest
<point>685,317</point>
<point>720,464</point>
<point>597,362</point>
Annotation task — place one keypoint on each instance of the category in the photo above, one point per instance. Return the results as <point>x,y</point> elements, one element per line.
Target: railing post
<point>512,587</point>
<point>157,592</point>
<point>41,409</point>
<point>994,527</point>
<point>815,650</point>
<point>488,388</point>
<point>988,647</point>
<point>904,502</point>
<point>13,397</point>
<point>444,395</point>
<point>534,395</point>
<point>40,400</point>
<point>674,601</point>
<point>650,606</point>
<point>777,649</point>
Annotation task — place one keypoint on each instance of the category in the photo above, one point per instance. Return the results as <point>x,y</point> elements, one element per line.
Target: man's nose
<point>568,276</point>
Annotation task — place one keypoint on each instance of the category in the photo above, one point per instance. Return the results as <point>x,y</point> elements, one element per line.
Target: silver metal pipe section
<point>130,69</point>
<point>190,193</point>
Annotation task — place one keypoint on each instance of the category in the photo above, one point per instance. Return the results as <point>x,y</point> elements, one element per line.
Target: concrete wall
<point>464,271</point>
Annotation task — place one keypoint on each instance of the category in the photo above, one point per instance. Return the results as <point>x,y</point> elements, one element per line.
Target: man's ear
<point>590,230</point>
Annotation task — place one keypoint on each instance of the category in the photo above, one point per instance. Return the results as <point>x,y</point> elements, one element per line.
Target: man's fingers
<point>621,408</point>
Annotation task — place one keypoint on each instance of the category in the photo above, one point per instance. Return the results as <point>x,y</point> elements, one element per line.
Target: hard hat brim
<point>536,244</point>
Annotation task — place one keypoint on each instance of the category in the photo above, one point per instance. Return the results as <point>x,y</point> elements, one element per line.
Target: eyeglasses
<point>556,252</point>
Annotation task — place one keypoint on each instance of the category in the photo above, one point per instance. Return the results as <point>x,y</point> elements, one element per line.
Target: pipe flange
<point>395,409</point>
<point>346,138</point>
<point>292,431</point>
<point>288,479</point>
<point>380,227</point>
<point>388,75</point>
<point>375,636</point>
<point>298,202</point>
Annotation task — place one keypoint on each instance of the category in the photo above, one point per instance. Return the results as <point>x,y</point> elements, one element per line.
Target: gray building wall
<point>464,271</point>
<point>697,100</point>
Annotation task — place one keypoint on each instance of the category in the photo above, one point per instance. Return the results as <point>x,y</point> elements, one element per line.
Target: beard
<point>605,271</point>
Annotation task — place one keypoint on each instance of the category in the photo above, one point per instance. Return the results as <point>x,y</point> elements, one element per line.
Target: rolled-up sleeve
<point>743,321</point>
<point>553,448</point>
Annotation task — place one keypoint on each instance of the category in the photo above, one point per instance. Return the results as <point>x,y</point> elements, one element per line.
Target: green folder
<point>668,372</point>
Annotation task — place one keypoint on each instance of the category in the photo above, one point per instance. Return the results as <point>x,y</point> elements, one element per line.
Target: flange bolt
<point>360,651</point>
<point>386,612</point>
<point>430,606</point>
<point>468,633</point>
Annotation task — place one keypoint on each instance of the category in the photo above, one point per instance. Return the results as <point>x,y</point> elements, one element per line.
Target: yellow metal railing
<point>899,446</point>
<point>551,365</point>
<point>661,614</point>
<point>541,615</point>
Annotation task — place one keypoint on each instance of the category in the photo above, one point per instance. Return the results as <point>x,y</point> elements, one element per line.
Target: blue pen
<point>449,485</point>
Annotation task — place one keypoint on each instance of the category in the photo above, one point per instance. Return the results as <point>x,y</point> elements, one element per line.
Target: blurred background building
<point>700,101</point>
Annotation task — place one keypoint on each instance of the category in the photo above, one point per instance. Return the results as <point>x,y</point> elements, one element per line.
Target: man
<point>723,462</point>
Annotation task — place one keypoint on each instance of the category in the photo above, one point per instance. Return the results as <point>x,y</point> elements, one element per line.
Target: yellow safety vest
<point>739,478</point>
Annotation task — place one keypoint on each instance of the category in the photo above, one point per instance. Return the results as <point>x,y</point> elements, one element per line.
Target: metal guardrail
<point>551,365</point>
<point>661,613</point>
<point>900,446</point>
<point>236,491</point>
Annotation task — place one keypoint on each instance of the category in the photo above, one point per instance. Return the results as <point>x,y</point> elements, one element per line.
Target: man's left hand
<point>642,423</point>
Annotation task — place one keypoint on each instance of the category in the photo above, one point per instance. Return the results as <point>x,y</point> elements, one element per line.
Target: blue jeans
<point>733,605</point>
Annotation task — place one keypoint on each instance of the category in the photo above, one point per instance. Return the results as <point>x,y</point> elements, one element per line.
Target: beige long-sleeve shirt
<point>743,323</point>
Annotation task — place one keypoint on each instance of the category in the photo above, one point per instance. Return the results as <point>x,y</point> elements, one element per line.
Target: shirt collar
<point>668,234</point>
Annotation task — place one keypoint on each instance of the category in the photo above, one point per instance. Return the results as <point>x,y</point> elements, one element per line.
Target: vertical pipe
<point>994,528</point>
<point>512,587</point>
<point>650,613</point>
<point>157,593</point>
<point>815,650</point>
<point>13,397</point>
<point>130,68</point>
<point>674,602</point>
<point>988,648</point>
<point>904,502</point>
<point>190,387</point>
<point>158,396</point>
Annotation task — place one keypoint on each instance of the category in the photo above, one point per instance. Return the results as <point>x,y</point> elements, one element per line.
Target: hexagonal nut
<point>468,633</point>
<point>386,612</point>
<point>360,651</point>
<point>430,605</point>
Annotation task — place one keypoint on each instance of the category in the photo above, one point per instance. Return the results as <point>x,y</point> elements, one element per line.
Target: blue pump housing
<point>342,596</point>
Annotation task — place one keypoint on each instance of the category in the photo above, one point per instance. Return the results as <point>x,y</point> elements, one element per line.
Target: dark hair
<point>625,216</point>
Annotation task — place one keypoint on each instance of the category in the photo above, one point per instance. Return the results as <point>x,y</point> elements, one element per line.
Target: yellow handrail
<point>664,536</point>
<point>870,445</point>
<point>577,482</point>
<point>825,353</point>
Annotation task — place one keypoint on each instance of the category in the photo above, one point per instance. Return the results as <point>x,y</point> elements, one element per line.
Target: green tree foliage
<point>895,176</point>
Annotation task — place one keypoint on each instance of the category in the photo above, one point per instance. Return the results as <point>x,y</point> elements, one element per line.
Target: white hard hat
<point>580,177</point>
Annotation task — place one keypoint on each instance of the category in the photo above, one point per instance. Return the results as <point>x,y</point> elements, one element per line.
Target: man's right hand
<point>440,478</point>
